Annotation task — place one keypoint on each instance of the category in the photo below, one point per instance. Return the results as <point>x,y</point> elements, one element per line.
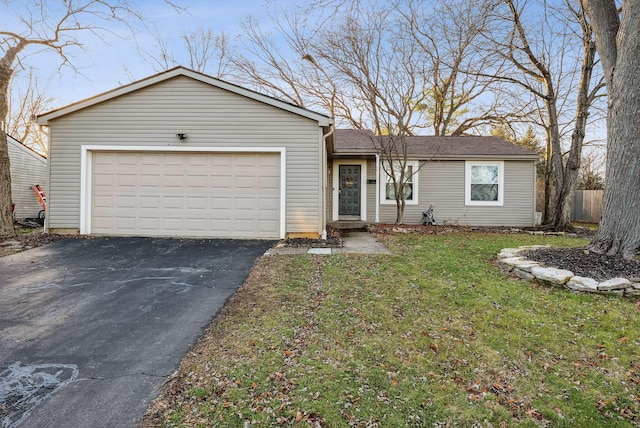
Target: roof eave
<point>45,118</point>
<point>447,157</point>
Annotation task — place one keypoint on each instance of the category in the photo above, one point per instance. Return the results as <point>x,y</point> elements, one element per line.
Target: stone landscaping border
<point>513,262</point>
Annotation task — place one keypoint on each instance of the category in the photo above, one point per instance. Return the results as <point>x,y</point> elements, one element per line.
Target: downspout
<point>377,188</point>
<point>45,130</point>
<point>325,173</point>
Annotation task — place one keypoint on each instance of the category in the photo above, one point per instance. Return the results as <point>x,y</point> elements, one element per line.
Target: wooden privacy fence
<point>587,206</point>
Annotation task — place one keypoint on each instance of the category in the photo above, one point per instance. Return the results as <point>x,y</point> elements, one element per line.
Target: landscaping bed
<point>585,263</point>
<point>27,238</point>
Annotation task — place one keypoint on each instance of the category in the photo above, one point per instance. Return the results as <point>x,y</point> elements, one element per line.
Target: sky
<point>107,64</point>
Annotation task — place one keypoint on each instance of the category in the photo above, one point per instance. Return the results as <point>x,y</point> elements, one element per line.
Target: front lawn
<point>435,336</point>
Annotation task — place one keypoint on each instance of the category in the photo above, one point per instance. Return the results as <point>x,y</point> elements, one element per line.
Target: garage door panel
<point>196,202</point>
<point>186,194</point>
<point>220,182</point>
<point>149,202</point>
<point>126,201</point>
<point>149,180</point>
<point>149,159</point>
<point>103,201</point>
<point>174,181</point>
<point>201,181</point>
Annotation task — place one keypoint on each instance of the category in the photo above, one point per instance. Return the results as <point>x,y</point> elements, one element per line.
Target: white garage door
<point>186,194</point>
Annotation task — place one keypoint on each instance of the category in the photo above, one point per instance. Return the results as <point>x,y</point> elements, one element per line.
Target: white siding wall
<point>211,117</point>
<point>27,169</point>
<point>442,184</point>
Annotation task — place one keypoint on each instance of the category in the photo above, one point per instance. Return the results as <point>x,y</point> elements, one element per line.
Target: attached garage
<point>182,154</point>
<point>185,194</point>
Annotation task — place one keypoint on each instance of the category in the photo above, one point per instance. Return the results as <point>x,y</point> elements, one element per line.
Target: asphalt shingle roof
<point>355,141</point>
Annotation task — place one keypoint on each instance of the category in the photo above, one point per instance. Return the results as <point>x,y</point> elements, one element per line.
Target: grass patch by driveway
<point>434,335</point>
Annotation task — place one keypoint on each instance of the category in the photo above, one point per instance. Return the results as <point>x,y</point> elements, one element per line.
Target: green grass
<point>435,335</point>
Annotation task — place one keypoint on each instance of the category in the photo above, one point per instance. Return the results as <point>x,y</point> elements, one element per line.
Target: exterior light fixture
<point>181,137</point>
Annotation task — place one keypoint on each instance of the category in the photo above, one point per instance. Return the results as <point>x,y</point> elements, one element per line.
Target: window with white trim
<point>484,183</point>
<point>388,191</point>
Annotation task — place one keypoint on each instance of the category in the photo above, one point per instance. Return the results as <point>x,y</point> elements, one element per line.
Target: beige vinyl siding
<point>27,169</point>
<point>441,183</point>
<point>329,194</point>
<point>210,116</point>
<point>371,191</point>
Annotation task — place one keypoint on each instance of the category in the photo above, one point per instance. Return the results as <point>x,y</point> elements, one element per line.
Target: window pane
<point>408,178</point>
<point>484,174</point>
<point>391,192</point>
<point>408,192</point>
<point>484,192</point>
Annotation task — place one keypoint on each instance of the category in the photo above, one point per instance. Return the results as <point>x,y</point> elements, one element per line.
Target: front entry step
<point>348,224</point>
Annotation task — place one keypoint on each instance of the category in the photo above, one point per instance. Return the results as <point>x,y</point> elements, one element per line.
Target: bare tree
<point>23,106</point>
<point>539,64</point>
<point>591,177</point>
<point>567,167</point>
<point>47,25</point>
<point>384,75</point>
<point>457,99</point>
<point>618,42</point>
<point>202,49</point>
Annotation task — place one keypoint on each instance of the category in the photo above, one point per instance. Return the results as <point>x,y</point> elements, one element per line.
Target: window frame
<point>386,179</point>
<point>467,183</point>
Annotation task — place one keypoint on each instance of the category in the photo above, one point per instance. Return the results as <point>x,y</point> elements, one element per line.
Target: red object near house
<point>42,197</point>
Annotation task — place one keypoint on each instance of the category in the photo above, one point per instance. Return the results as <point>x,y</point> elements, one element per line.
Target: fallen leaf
<point>627,413</point>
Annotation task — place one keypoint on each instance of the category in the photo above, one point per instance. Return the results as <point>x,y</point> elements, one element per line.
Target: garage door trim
<point>86,173</point>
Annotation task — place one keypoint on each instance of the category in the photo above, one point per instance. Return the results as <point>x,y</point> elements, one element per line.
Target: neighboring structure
<point>184,154</point>
<point>480,181</point>
<point>27,168</point>
<point>587,206</point>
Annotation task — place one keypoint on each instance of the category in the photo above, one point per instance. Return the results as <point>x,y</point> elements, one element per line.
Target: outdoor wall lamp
<point>181,137</point>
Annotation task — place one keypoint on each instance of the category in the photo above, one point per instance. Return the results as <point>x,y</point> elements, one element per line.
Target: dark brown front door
<point>350,192</point>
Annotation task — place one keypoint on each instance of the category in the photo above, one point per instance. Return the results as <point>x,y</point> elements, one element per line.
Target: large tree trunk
<point>618,43</point>
<point>6,214</point>
<point>571,168</point>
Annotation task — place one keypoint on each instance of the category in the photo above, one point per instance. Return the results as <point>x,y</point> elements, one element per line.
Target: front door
<point>349,192</point>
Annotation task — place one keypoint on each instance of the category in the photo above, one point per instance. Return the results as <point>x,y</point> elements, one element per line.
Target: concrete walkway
<point>355,242</point>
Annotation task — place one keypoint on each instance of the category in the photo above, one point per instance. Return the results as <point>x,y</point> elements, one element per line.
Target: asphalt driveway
<point>91,328</point>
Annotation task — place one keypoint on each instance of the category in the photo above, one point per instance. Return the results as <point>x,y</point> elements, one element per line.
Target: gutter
<point>324,180</point>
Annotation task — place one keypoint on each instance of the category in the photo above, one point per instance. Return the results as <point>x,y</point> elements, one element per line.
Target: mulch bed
<point>27,239</point>
<point>393,229</point>
<point>583,262</point>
